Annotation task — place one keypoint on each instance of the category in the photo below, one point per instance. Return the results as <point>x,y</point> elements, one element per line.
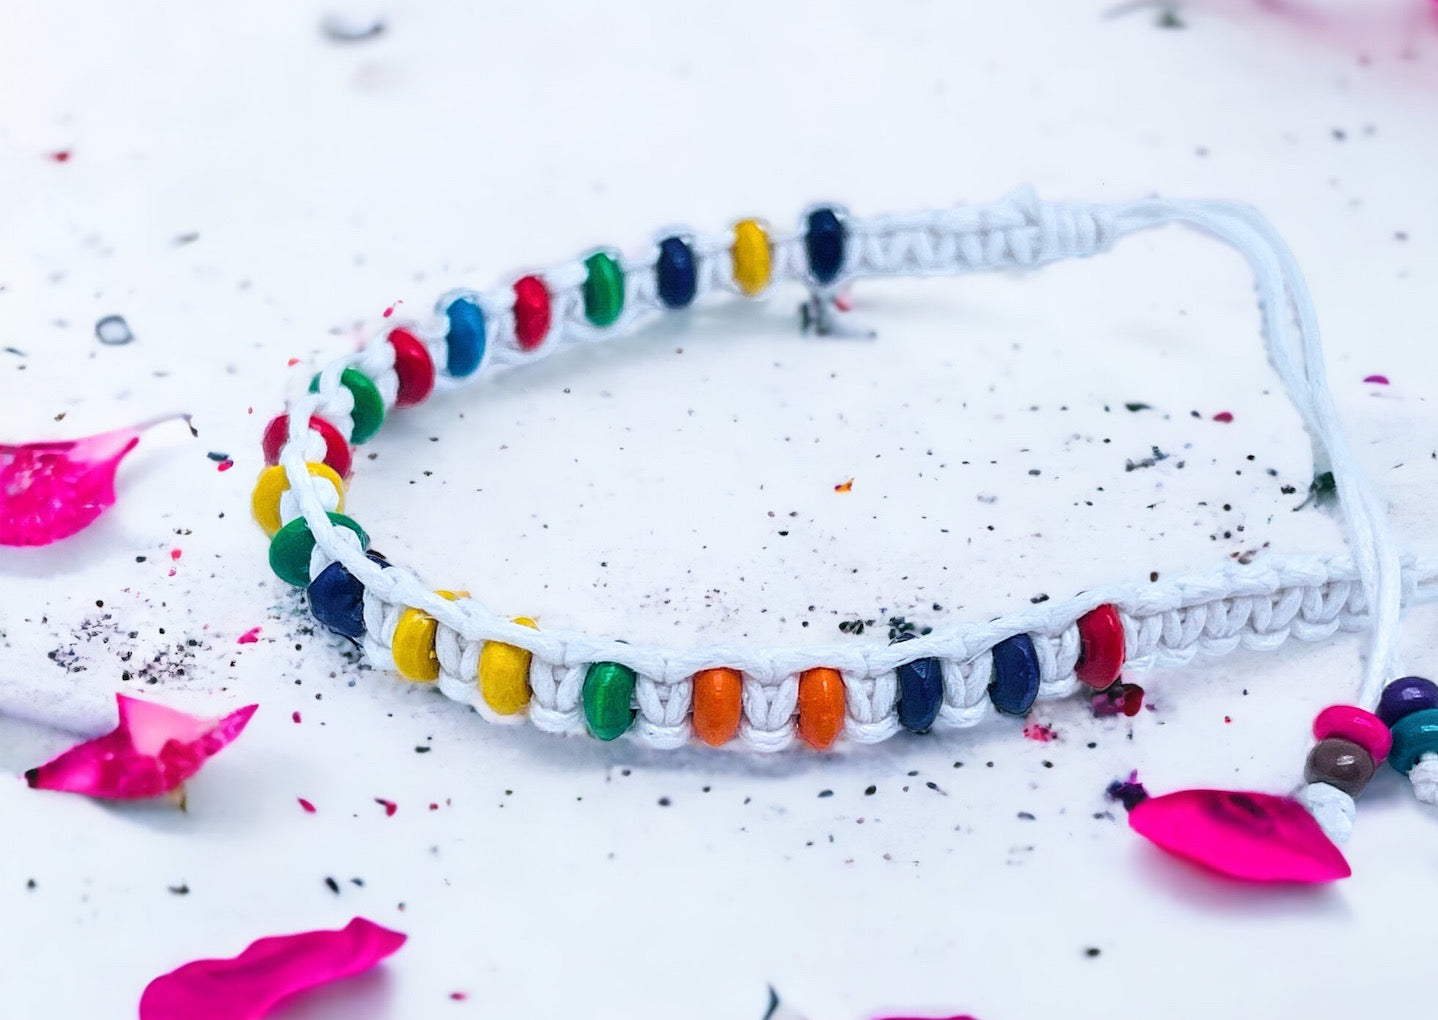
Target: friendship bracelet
<point>762,699</point>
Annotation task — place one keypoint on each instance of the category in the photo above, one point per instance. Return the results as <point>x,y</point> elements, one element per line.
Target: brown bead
<point>1340,763</point>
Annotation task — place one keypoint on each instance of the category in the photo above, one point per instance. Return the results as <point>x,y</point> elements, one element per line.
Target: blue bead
<point>1015,685</point>
<point>824,244</point>
<point>465,338</point>
<point>1414,735</point>
<point>337,599</point>
<point>921,691</point>
<point>1405,696</point>
<point>674,273</point>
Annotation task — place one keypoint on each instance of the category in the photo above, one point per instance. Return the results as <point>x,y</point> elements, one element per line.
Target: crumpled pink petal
<point>1256,837</point>
<point>248,986</point>
<point>153,750</point>
<point>51,490</point>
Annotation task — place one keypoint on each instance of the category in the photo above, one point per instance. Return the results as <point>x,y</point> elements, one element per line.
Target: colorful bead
<point>413,643</point>
<point>465,340</point>
<point>1015,685</point>
<point>821,706</point>
<point>337,451</point>
<point>337,598</point>
<point>718,705</point>
<point>751,257</point>
<point>921,690</point>
<point>292,545</point>
<point>608,693</point>
<point>824,244</point>
<point>1340,763</point>
<point>1415,735</point>
<point>1101,647</point>
<point>273,483</point>
<point>675,277</point>
<point>1405,696</point>
<point>531,312</point>
<point>603,289</point>
<point>504,673</point>
<point>368,413</point>
<point>1352,723</point>
<point>413,366</point>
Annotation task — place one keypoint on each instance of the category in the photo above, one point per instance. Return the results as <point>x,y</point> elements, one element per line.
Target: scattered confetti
<point>249,637</point>
<point>60,156</point>
<point>1042,732</point>
<point>309,808</point>
<point>390,807</point>
<point>1128,792</point>
<point>55,489</point>
<point>1118,699</point>
<point>295,716</point>
<point>248,986</point>
<point>1223,416</point>
<point>151,751</point>
<point>113,331</point>
<point>1381,380</point>
<point>845,486</point>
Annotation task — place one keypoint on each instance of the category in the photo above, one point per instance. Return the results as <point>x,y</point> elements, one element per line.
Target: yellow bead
<point>504,673</point>
<point>751,257</point>
<point>413,643</point>
<point>272,484</point>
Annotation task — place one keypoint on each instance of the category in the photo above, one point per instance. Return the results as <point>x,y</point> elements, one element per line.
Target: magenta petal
<point>49,491</point>
<point>1256,837</point>
<point>153,750</point>
<point>247,986</point>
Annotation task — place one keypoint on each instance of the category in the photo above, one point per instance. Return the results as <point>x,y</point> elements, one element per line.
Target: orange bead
<point>717,705</point>
<point>821,706</point>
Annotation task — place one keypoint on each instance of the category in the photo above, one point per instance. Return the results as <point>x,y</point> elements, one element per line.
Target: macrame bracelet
<point>763,698</point>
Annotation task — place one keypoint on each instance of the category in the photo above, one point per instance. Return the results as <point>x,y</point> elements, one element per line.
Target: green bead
<point>291,547</point>
<point>608,690</point>
<point>368,413</point>
<point>1413,736</point>
<point>603,289</point>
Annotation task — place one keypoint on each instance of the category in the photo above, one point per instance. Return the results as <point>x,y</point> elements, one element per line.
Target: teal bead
<point>368,413</point>
<point>608,692</point>
<point>603,289</point>
<point>1414,735</point>
<point>291,547</point>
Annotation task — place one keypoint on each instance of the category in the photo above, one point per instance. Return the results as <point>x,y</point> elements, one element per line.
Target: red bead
<point>337,451</point>
<point>1101,647</point>
<point>414,367</point>
<point>531,312</point>
<point>1352,723</point>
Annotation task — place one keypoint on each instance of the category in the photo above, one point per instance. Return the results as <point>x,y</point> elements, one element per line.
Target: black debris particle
<point>180,890</point>
<point>869,791</point>
<point>1026,816</point>
<point>421,750</point>
<point>30,883</point>
<point>664,802</point>
<point>1091,952</point>
<point>217,456</point>
<point>1136,406</point>
<point>1147,462</point>
<point>350,28</point>
<point>334,886</point>
<point>825,793</point>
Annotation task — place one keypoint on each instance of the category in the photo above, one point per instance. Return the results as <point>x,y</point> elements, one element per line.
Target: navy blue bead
<point>465,339</point>
<point>675,277</point>
<point>824,244</point>
<point>1406,696</point>
<point>337,599</point>
<point>921,691</point>
<point>1015,685</point>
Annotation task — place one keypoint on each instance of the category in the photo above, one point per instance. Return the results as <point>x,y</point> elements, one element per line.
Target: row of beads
<point>676,283</point>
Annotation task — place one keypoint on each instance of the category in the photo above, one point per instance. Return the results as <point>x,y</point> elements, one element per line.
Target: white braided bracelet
<point>763,698</point>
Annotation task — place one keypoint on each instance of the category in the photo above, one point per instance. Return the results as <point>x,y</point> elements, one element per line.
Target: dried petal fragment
<point>248,986</point>
<point>49,491</point>
<point>152,751</point>
<point>1256,837</point>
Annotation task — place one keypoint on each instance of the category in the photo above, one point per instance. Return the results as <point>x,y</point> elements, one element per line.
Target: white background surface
<point>627,489</point>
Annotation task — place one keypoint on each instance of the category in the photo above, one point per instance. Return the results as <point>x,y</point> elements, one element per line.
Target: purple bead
<point>1406,696</point>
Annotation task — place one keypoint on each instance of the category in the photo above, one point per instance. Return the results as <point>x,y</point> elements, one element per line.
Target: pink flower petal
<point>247,986</point>
<point>153,750</point>
<point>1251,836</point>
<point>49,491</point>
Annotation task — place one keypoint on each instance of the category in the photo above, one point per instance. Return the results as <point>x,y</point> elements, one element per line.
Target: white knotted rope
<point>1257,606</point>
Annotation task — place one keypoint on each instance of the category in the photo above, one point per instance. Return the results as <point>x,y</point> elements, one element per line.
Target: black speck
<point>826,793</point>
<point>422,750</point>
<point>869,791</point>
<point>1091,952</point>
<point>180,890</point>
<point>334,886</point>
<point>1026,816</point>
<point>30,883</point>
<point>663,801</point>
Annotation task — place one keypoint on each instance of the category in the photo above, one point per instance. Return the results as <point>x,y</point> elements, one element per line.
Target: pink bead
<point>1352,723</point>
<point>1251,836</point>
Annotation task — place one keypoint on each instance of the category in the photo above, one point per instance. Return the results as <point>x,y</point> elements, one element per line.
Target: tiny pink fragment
<point>309,808</point>
<point>249,637</point>
<point>390,807</point>
<point>1042,732</point>
<point>152,751</point>
<point>1255,837</point>
<point>1381,380</point>
<point>1223,416</point>
<point>248,986</point>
